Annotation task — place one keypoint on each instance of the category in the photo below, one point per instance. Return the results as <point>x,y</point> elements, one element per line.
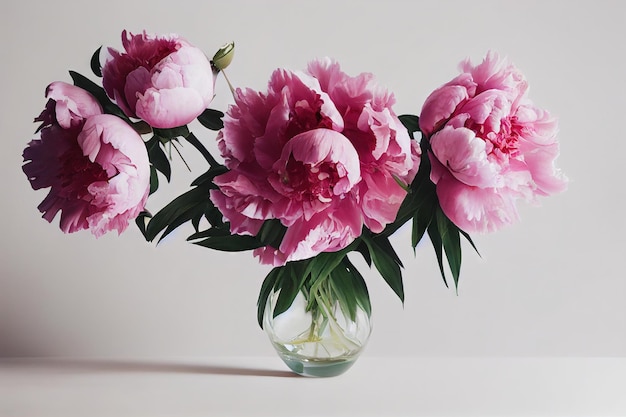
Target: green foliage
<point>386,261</point>
<point>158,160</point>
<point>211,119</point>
<point>328,277</point>
<point>95,63</point>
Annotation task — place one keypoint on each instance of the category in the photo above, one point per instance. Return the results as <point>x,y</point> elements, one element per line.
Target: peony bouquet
<point>314,168</point>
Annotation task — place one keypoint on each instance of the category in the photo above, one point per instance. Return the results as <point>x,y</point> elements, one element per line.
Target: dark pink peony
<point>163,79</point>
<point>95,165</point>
<point>319,151</point>
<point>489,145</point>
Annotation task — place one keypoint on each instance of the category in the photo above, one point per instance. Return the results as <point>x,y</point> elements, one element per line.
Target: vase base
<point>317,367</point>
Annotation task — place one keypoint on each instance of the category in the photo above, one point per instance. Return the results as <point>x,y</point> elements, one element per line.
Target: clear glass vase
<point>317,336</point>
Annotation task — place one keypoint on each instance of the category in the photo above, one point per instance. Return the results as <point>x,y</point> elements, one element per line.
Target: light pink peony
<point>163,79</point>
<point>489,145</point>
<point>318,151</point>
<point>95,164</point>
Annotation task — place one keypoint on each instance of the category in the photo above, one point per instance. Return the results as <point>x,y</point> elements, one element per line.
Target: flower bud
<point>224,56</point>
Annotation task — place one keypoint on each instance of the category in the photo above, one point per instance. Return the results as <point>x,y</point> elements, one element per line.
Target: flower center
<point>77,173</point>
<point>307,116</point>
<point>309,182</point>
<point>505,142</point>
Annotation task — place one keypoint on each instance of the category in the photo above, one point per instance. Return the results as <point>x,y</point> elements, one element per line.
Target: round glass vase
<point>316,336</point>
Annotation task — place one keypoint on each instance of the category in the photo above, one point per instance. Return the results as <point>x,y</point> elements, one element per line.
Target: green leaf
<point>266,289</point>
<point>174,209</point>
<point>360,287</point>
<point>350,289</point>
<point>207,177</point>
<point>211,119</point>
<point>154,179</point>
<point>320,266</point>
<point>384,244</point>
<point>211,232</point>
<point>271,233</point>
<point>422,192</point>
<point>289,286</point>
<point>193,213</point>
<point>386,265</point>
<point>230,243</point>
<point>340,280</point>
<point>95,63</point>
<point>169,134</point>
<point>193,140</point>
<point>469,239</point>
<point>364,251</point>
<point>411,123</point>
<point>435,239</point>
<point>422,219</point>
<point>451,244</point>
<point>157,157</point>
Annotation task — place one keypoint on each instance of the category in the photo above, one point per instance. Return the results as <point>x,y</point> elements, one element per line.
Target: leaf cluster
<point>422,207</point>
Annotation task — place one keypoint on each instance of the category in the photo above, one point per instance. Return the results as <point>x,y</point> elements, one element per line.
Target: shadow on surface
<point>140,366</point>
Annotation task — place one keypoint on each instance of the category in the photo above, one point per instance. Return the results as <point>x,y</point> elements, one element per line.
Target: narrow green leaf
<point>364,251</point>
<point>266,289</point>
<point>272,233</point>
<point>340,280</point>
<point>209,175</point>
<point>95,63</point>
<point>350,288</point>
<point>360,287</point>
<point>386,266</point>
<point>320,266</point>
<point>180,131</point>
<point>184,217</point>
<point>211,119</point>
<point>383,243</point>
<point>211,232</point>
<point>451,244</point>
<point>401,183</point>
<point>195,142</point>
<point>435,239</point>
<point>174,209</point>
<point>231,243</point>
<point>469,239</point>
<point>290,286</point>
<point>422,219</point>
<point>158,158</point>
<point>154,179</point>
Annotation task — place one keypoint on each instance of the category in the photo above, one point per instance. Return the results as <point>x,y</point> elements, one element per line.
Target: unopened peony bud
<point>224,56</point>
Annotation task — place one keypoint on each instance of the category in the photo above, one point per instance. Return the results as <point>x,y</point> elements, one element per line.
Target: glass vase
<point>317,336</point>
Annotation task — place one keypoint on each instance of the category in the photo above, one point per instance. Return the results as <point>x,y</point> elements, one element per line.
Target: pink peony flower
<point>163,80</point>
<point>319,151</point>
<point>95,164</point>
<point>489,145</point>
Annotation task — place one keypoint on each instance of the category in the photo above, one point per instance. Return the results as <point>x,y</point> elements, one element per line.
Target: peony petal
<point>465,157</point>
<point>475,209</point>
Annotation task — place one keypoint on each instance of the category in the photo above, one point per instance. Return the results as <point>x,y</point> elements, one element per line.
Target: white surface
<point>552,285</point>
<point>246,386</point>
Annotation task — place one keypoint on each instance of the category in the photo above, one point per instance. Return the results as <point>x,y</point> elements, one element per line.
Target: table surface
<point>263,386</point>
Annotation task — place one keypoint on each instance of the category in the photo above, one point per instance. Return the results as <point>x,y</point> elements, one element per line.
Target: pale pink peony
<point>162,79</point>
<point>95,164</point>
<point>319,151</point>
<point>489,145</point>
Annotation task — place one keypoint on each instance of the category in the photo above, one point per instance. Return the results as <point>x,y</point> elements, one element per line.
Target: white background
<point>552,285</point>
